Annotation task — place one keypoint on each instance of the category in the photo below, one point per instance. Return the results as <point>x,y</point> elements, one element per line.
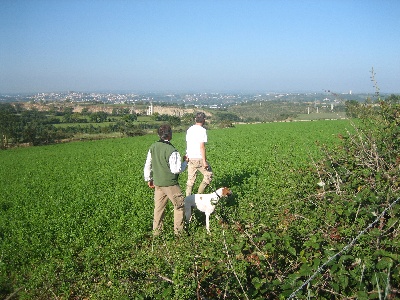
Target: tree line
<point>31,126</point>
<point>19,125</point>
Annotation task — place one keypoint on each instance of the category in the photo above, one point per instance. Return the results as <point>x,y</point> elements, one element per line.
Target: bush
<point>358,197</point>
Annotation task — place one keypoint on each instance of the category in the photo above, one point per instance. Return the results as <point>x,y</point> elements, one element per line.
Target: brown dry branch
<point>9,297</point>
<point>264,254</point>
<point>344,249</point>
<point>231,265</point>
<point>165,278</point>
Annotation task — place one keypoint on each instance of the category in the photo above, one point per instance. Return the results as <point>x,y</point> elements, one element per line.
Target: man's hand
<point>151,184</point>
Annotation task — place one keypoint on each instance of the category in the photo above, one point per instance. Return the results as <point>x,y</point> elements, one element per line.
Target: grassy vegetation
<point>321,116</point>
<point>76,219</point>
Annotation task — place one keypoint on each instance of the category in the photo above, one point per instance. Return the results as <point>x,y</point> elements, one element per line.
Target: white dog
<point>205,203</point>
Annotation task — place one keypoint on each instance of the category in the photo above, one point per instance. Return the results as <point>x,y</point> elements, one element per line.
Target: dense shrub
<point>358,194</point>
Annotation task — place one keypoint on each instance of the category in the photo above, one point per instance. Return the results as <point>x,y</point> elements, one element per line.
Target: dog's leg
<point>208,222</point>
<point>188,213</point>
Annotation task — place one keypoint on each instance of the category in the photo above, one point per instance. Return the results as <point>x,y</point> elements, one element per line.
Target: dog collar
<point>215,201</point>
<point>215,192</point>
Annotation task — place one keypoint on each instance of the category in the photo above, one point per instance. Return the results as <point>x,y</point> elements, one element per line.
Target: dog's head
<point>221,192</point>
<point>224,191</point>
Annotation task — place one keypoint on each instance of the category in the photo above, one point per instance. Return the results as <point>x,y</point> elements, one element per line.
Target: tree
<point>98,117</point>
<point>393,99</point>
<point>222,116</point>
<point>85,111</point>
<point>174,120</point>
<point>352,108</point>
<point>129,117</point>
<point>187,119</point>
<point>9,124</point>
<point>68,114</point>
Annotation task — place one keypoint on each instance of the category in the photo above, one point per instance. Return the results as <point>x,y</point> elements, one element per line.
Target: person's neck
<point>165,141</point>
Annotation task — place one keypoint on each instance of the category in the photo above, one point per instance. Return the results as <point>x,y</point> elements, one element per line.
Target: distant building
<point>150,110</point>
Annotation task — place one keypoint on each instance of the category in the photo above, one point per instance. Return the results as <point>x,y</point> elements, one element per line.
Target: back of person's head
<point>165,132</point>
<point>200,117</point>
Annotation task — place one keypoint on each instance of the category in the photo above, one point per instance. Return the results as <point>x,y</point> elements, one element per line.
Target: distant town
<point>210,100</point>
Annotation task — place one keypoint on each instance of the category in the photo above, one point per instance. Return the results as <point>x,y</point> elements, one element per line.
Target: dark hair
<point>165,131</point>
<point>200,117</point>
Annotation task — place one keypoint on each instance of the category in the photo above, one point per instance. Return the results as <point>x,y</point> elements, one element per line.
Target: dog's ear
<point>226,191</point>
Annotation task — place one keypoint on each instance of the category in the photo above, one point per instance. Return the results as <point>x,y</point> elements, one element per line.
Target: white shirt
<point>175,165</point>
<point>195,135</point>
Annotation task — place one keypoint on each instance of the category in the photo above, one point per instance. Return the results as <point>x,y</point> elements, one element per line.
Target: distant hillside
<point>269,111</point>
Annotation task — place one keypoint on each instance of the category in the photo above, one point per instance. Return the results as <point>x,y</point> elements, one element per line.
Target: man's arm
<point>147,168</point>
<point>175,164</point>
<point>203,154</point>
<point>147,171</point>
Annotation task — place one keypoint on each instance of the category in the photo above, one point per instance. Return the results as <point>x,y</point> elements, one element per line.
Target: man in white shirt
<point>196,138</point>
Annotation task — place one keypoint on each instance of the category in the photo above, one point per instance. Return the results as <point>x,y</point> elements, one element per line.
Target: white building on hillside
<point>150,110</point>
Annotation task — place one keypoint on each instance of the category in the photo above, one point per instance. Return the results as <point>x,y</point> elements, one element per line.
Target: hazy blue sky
<point>199,46</point>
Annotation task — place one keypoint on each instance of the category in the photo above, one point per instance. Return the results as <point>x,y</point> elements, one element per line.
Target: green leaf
<point>292,251</point>
<point>384,263</point>
<point>344,281</point>
<point>361,295</point>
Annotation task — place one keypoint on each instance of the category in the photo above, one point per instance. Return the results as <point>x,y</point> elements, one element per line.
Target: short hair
<point>164,131</point>
<point>200,117</point>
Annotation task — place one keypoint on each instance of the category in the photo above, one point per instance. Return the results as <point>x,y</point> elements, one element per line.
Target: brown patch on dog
<point>226,191</point>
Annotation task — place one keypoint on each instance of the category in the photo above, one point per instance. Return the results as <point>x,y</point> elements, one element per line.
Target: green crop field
<point>76,218</point>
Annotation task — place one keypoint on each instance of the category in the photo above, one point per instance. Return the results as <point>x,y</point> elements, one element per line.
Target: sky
<point>217,46</point>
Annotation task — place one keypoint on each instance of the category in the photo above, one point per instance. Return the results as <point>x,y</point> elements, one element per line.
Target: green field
<point>75,220</point>
<point>322,116</point>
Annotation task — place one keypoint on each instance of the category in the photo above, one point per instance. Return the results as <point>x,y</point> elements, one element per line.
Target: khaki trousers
<point>161,196</point>
<point>194,166</point>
